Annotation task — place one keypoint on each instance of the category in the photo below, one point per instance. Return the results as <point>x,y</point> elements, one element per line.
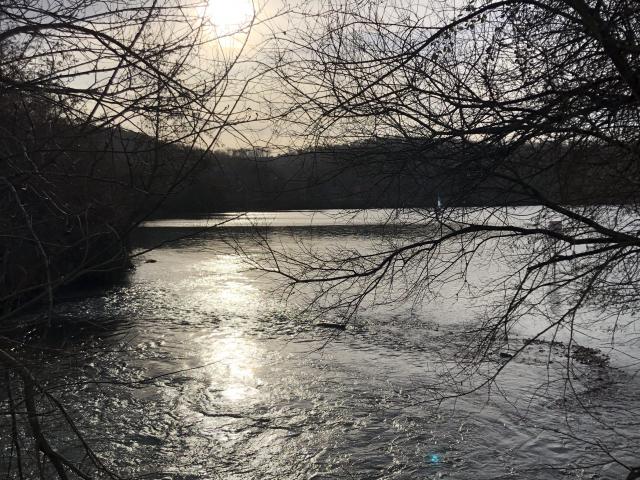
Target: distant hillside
<point>70,193</point>
<point>393,173</point>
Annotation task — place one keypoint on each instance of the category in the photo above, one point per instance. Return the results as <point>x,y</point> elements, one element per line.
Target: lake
<point>197,367</point>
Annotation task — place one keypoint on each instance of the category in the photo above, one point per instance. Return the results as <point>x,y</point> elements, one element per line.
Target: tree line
<point>480,103</point>
<point>397,173</point>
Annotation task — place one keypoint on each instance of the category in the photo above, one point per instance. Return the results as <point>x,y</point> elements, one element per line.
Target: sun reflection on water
<point>233,362</point>
<point>223,264</point>
<point>221,286</point>
<point>233,295</point>
<point>236,393</point>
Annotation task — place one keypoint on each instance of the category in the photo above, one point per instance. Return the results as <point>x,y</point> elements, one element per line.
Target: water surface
<point>197,368</point>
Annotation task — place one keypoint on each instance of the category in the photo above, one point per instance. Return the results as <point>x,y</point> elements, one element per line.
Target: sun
<point>230,16</point>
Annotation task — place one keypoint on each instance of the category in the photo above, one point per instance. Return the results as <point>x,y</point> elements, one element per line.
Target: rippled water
<point>196,369</point>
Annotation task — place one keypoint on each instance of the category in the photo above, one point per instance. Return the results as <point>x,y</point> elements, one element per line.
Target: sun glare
<point>230,16</point>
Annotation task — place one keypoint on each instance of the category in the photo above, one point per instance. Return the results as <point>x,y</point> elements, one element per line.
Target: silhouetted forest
<point>75,193</point>
<point>393,173</point>
<point>70,194</point>
<point>113,113</point>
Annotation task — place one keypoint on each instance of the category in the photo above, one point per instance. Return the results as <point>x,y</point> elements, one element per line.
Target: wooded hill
<point>71,193</point>
<point>393,173</point>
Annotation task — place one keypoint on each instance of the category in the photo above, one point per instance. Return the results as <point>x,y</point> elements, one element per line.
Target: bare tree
<point>105,109</point>
<point>486,104</point>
